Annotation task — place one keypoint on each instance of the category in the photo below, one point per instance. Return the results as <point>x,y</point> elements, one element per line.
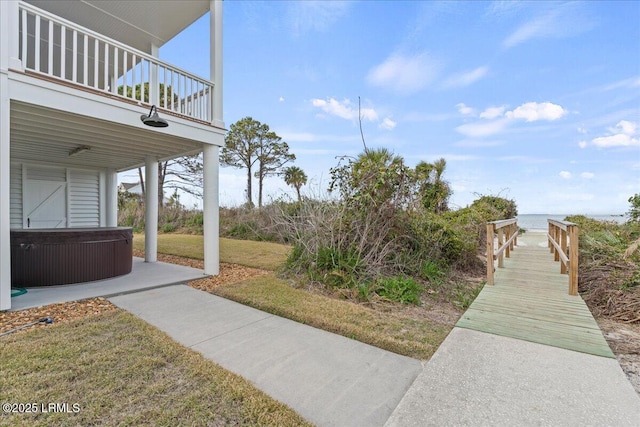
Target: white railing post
<point>183,92</point>
<point>153,77</point>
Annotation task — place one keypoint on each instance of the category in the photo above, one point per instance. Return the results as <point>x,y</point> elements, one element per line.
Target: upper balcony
<point>109,59</point>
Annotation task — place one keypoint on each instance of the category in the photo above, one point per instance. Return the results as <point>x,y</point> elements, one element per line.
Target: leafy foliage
<point>250,142</point>
<point>388,228</point>
<point>609,267</point>
<point>634,209</point>
<point>295,177</point>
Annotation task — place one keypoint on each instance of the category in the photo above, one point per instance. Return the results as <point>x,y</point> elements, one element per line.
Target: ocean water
<point>538,222</point>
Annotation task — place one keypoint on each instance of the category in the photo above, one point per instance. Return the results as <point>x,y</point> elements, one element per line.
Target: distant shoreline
<point>533,222</point>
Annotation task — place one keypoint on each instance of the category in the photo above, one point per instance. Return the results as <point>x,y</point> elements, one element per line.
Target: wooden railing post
<point>500,242</point>
<point>563,246</point>
<point>573,260</point>
<point>490,266</point>
<point>507,232</point>
<point>549,241</point>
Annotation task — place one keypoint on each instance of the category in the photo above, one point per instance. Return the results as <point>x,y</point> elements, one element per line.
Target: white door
<point>45,204</point>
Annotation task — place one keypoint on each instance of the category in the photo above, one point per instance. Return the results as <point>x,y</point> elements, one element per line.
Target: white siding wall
<point>15,204</point>
<point>84,198</point>
<point>43,173</point>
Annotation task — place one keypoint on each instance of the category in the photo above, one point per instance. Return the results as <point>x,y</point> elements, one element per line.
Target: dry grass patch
<point>399,331</point>
<point>121,371</point>
<point>264,255</point>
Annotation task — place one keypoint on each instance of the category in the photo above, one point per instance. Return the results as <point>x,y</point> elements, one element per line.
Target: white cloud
<point>582,130</point>
<point>404,74</point>
<point>619,140</point>
<point>587,175</point>
<point>281,99</point>
<point>492,112</point>
<point>533,111</point>
<point>344,110</point>
<point>630,83</point>
<point>498,120</point>
<point>387,124</point>
<point>465,110</point>
<point>315,15</point>
<point>466,78</point>
<point>623,135</point>
<point>582,144</point>
<point>626,127</point>
<point>478,130</point>
<point>565,174</point>
<point>562,21</point>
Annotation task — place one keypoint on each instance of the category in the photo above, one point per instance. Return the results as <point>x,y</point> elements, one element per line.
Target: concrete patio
<point>143,276</point>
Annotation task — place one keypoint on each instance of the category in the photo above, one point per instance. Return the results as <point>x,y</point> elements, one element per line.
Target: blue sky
<point>535,101</point>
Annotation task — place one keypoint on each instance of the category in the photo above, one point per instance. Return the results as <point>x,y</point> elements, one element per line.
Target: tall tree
<point>295,177</point>
<point>241,147</point>
<point>273,154</point>
<point>249,142</point>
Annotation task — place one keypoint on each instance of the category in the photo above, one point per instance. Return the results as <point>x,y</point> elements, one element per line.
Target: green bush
<point>399,288</point>
<point>495,208</point>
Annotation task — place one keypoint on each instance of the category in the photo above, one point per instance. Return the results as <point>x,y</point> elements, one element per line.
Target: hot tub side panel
<point>56,258</point>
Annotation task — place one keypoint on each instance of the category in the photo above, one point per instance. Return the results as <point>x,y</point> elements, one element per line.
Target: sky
<point>534,101</point>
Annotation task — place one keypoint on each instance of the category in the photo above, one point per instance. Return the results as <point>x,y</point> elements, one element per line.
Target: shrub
<point>609,267</point>
<point>399,288</point>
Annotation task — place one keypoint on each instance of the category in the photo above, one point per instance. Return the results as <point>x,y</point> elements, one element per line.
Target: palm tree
<point>434,190</point>
<point>295,177</point>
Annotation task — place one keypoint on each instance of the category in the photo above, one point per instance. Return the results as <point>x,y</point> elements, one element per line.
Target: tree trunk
<point>162,173</point>
<point>141,181</point>
<point>249,199</point>
<point>298,191</point>
<point>260,180</point>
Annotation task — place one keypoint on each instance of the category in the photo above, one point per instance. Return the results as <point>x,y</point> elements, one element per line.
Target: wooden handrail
<point>506,229</point>
<point>563,243</point>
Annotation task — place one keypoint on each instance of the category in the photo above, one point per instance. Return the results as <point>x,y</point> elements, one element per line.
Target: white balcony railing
<point>60,49</point>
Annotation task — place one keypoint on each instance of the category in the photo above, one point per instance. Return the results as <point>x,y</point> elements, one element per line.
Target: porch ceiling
<point>135,23</point>
<point>44,135</point>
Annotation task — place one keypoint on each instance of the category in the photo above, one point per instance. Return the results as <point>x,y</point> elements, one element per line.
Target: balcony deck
<point>61,51</point>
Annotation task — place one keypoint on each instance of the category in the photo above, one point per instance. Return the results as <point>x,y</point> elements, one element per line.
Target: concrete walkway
<point>480,379</point>
<point>144,275</point>
<point>474,378</point>
<point>328,379</point>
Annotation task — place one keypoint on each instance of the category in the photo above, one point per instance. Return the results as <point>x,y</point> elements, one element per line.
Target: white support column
<point>215,59</point>
<point>5,163</point>
<point>14,39</point>
<point>151,210</point>
<point>210,209</point>
<point>111,198</point>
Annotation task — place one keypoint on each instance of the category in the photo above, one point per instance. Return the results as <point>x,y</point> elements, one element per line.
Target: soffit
<point>44,135</point>
<point>135,23</point>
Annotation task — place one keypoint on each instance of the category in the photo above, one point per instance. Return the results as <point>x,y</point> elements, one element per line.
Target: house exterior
<point>76,77</point>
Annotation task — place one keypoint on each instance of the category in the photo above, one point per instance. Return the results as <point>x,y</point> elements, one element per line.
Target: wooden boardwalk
<point>530,301</point>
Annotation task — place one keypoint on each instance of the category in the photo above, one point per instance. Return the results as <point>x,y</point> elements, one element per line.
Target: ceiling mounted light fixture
<point>78,150</point>
<point>153,119</point>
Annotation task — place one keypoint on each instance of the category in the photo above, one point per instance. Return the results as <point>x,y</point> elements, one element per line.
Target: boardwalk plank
<point>530,301</point>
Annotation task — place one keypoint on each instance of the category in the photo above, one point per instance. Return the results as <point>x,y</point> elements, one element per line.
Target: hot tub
<point>59,256</point>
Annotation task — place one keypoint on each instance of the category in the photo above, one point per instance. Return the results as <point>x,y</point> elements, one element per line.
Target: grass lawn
<point>266,255</point>
<point>121,371</point>
<point>391,330</point>
<point>398,330</point>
